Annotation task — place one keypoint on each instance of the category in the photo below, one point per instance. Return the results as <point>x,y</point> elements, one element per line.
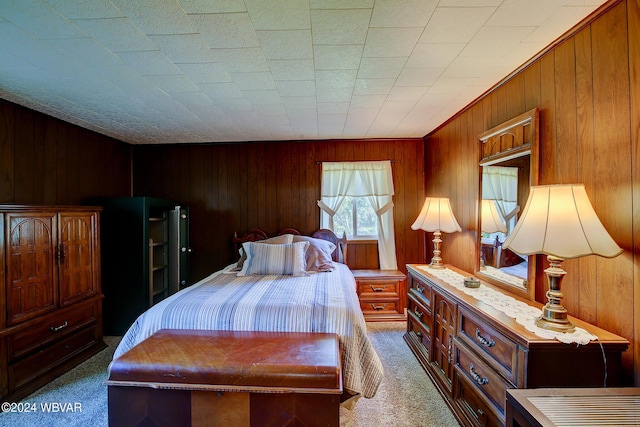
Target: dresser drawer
<point>374,289</point>
<point>497,349</point>
<point>421,334</point>
<point>421,291</point>
<point>48,330</point>
<point>473,406</point>
<point>487,382</point>
<point>31,367</point>
<point>419,312</point>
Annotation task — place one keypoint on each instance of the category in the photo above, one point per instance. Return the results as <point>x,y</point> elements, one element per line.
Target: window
<point>356,218</point>
<point>357,198</point>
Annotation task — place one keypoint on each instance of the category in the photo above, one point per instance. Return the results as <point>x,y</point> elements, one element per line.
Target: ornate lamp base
<point>554,315</point>
<point>436,261</point>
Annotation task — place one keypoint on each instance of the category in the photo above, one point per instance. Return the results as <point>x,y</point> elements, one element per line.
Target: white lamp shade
<point>436,215</point>
<point>490,218</point>
<point>559,220</point>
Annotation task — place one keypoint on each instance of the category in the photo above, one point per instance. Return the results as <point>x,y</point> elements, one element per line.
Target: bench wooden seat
<point>188,377</point>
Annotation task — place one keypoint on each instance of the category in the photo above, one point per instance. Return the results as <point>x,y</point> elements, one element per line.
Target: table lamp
<point>559,221</point>
<point>436,216</point>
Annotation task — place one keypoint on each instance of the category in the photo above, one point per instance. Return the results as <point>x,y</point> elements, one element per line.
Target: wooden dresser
<point>382,294</point>
<point>50,294</point>
<point>474,353</point>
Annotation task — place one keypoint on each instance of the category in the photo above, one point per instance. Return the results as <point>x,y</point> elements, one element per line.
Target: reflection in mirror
<point>508,169</point>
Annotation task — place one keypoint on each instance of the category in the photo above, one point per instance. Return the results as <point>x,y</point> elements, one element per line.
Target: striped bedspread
<point>320,302</point>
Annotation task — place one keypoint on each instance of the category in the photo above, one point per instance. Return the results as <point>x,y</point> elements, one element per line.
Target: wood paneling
<point>47,161</point>
<point>587,90</point>
<point>273,185</point>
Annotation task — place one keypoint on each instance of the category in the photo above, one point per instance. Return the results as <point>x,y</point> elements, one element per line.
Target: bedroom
<point>591,79</point>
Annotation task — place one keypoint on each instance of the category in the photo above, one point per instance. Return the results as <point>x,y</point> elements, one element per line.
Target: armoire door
<point>77,254</point>
<point>32,282</point>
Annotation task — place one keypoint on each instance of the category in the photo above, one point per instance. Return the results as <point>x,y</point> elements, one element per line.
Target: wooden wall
<point>588,90</point>
<point>47,161</point>
<point>272,185</point>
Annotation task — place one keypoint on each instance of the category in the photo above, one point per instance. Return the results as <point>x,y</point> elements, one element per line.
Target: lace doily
<point>523,313</point>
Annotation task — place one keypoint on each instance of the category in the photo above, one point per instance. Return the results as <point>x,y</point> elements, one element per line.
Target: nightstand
<point>382,294</point>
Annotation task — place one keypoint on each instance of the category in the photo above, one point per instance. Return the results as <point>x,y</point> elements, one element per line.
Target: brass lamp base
<point>553,320</point>
<point>436,261</point>
<point>554,315</point>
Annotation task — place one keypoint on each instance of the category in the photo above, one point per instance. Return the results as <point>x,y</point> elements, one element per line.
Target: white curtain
<point>372,180</point>
<point>500,183</point>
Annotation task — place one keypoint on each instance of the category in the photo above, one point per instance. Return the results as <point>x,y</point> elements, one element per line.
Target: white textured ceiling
<point>173,71</point>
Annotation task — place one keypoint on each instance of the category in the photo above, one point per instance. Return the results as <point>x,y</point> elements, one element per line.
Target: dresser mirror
<point>508,167</point>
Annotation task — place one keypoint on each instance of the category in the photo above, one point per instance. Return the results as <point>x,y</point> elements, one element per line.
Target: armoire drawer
<point>43,361</point>
<point>497,349</point>
<point>486,381</point>
<point>48,330</point>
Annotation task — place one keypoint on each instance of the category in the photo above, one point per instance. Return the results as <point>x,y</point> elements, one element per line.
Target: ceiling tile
<point>158,17</point>
<point>340,26</point>
<point>389,42</point>
<point>208,6</point>
<point>279,14</point>
<point>184,48</point>
<point>227,30</point>
<point>402,13</point>
<point>373,86</point>
<point>337,57</point>
<point>455,24</point>
<point>297,69</point>
<point>242,60</point>
<point>292,44</point>
<point>116,34</point>
<point>38,19</point>
<point>74,9</point>
<point>381,68</point>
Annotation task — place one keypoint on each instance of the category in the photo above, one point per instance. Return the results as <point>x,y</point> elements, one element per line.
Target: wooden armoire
<point>50,294</point>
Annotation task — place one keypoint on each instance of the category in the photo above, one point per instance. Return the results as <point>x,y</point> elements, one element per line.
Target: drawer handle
<point>374,289</point>
<point>418,312</point>
<point>419,334</point>
<point>476,377</point>
<point>419,289</point>
<point>57,328</point>
<point>378,307</point>
<point>482,340</point>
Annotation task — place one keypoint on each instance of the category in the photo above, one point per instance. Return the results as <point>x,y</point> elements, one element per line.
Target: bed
<point>321,298</point>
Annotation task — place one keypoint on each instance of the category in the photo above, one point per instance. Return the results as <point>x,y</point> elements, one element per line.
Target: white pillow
<point>277,240</point>
<point>318,256</point>
<point>284,259</point>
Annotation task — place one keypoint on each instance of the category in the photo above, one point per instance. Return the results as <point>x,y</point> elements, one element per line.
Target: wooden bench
<point>227,378</point>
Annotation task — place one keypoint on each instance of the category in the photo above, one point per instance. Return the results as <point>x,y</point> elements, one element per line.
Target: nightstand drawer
<point>501,351</point>
<point>378,289</point>
<point>382,294</point>
<point>379,307</point>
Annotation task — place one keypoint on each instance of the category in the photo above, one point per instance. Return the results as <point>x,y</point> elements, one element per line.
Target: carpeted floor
<point>406,397</point>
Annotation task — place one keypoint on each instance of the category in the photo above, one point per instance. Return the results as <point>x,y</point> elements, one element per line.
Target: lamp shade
<point>490,218</point>
<point>559,220</point>
<point>436,215</point>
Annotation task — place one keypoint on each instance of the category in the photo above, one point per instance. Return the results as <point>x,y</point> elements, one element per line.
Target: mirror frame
<point>514,138</point>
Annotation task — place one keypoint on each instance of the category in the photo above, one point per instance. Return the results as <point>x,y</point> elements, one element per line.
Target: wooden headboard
<point>256,234</point>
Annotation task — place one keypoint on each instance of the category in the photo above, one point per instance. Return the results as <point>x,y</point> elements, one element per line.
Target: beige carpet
<point>406,397</point>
